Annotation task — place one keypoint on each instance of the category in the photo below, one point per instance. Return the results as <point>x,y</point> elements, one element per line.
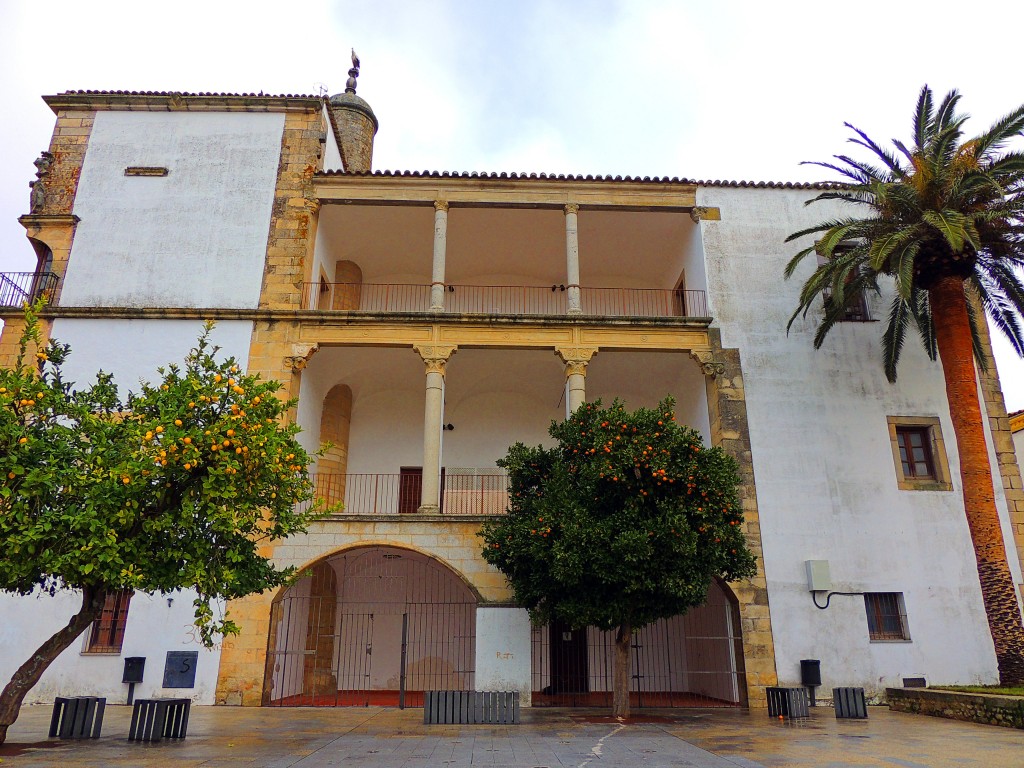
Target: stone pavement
<point>233,737</point>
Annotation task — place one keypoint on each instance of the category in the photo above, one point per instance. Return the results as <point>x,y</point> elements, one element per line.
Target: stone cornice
<point>184,102</point>
<point>331,187</point>
<point>334,317</point>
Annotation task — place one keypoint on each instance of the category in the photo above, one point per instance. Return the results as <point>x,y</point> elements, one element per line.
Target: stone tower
<point>354,124</point>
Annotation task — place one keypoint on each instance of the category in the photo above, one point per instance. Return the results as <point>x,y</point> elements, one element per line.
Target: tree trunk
<point>620,695</point>
<point>28,674</point>
<point>953,337</point>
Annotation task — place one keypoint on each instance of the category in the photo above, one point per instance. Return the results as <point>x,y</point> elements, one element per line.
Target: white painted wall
<point>332,155</point>
<point>503,650</point>
<point>155,626</point>
<point>131,350</point>
<point>826,483</point>
<point>194,238</point>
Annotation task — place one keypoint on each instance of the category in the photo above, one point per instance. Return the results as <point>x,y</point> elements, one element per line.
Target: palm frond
<point>1005,128</point>
<point>920,307</point>
<point>922,118</point>
<point>886,157</point>
<point>893,336</point>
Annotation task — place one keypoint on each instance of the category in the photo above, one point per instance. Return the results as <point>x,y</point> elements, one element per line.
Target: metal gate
<point>371,626</point>
<point>692,660</point>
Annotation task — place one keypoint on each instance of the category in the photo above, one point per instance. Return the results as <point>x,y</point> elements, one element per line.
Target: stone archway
<point>374,625</point>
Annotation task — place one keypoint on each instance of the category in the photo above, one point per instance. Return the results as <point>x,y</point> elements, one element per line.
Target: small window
<point>887,616</point>
<point>856,308</point>
<point>915,452</point>
<point>107,632</point>
<point>919,453</point>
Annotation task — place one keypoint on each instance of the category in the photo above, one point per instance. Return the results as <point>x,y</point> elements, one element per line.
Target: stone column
<point>576,360</point>
<point>572,259</point>
<point>435,358</point>
<point>440,246</point>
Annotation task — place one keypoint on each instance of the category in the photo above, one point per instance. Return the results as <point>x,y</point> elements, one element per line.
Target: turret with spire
<point>355,125</point>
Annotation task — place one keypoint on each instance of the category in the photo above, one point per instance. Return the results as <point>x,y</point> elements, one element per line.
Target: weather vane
<point>350,84</point>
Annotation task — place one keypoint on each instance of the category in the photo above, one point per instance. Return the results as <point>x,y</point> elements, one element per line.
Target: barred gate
<point>372,626</point>
<point>692,660</point>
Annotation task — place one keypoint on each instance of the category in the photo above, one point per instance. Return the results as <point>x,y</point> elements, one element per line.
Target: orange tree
<point>942,221</point>
<point>176,486</point>
<point>624,522</point>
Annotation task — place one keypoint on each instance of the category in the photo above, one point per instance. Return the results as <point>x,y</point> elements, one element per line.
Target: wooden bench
<point>471,707</point>
<point>77,717</point>
<point>156,719</point>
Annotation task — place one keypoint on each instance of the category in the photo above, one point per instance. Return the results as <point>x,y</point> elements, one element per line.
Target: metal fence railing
<point>505,299</point>
<point>463,493</point>
<point>20,288</point>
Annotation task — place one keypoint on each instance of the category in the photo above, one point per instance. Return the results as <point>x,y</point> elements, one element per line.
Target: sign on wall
<point>180,669</point>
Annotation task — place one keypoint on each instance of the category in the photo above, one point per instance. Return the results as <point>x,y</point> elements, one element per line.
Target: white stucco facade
<point>329,282</point>
<point>193,238</point>
<point>826,480</point>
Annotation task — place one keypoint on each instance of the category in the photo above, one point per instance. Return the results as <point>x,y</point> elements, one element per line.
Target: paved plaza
<point>374,737</point>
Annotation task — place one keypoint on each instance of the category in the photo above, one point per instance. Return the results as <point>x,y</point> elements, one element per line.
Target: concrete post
<point>572,260</point>
<point>435,358</point>
<point>440,246</point>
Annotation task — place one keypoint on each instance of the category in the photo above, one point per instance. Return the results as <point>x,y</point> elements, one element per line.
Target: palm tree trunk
<point>953,337</point>
<point>620,679</point>
<point>28,674</point>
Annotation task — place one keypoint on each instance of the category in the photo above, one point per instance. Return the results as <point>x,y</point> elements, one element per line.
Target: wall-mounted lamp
<point>170,601</point>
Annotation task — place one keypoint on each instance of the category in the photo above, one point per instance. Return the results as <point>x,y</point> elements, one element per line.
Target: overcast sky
<point>703,90</point>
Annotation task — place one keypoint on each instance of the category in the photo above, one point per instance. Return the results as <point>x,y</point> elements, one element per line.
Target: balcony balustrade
<point>20,288</point>
<point>386,494</point>
<point>505,300</point>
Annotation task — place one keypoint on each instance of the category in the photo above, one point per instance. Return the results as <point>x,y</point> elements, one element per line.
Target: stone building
<point>425,321</point>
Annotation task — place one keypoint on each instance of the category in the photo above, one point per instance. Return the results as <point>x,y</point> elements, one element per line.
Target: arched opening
<point>371,626</point>
<point>691,660</point>
<point>335,425</point>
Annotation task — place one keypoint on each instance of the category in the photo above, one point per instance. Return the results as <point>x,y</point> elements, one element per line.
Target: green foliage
<point>626,520</point>
<point>943,207</point>
<point>178,485</point>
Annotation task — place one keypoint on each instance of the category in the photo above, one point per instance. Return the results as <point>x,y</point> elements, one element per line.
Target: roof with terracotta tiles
<point>120,97</point>
<point>584,177</point>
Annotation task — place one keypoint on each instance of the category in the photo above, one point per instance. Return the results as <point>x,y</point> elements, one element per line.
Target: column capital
<point>572,208</point>
<point>301,354</point>
<point>435,356</point>
<point>705,358</point>
<point>576,359</point>
<point>441,205</point>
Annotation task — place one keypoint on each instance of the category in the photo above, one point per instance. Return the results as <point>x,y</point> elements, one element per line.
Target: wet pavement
<point>373,737</point>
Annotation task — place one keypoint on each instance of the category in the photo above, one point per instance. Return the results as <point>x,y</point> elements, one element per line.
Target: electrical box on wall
<point>818,577</point>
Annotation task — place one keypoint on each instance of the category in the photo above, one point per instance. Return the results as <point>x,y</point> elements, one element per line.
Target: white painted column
<point>576,361</point>
<point>435,358</point>
<point>503,651</point>
<point>440,247</point>
<point>572,259</point>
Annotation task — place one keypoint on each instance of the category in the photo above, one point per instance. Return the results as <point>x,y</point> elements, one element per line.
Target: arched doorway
<point>371,626</point>
<point>691,660</point>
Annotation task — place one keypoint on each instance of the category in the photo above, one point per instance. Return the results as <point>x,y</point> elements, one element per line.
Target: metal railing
<point>390,494</point>
<point>20,288</point>
<point>505,299</point>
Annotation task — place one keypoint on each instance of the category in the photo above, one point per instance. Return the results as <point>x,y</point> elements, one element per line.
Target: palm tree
<point>943,221</point>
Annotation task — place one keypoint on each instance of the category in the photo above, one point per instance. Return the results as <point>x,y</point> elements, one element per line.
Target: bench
<point>156,719</point>
<point>849,703</point>
<point>77,717</point>
<point>787,702</point>
<point>471,708</point>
